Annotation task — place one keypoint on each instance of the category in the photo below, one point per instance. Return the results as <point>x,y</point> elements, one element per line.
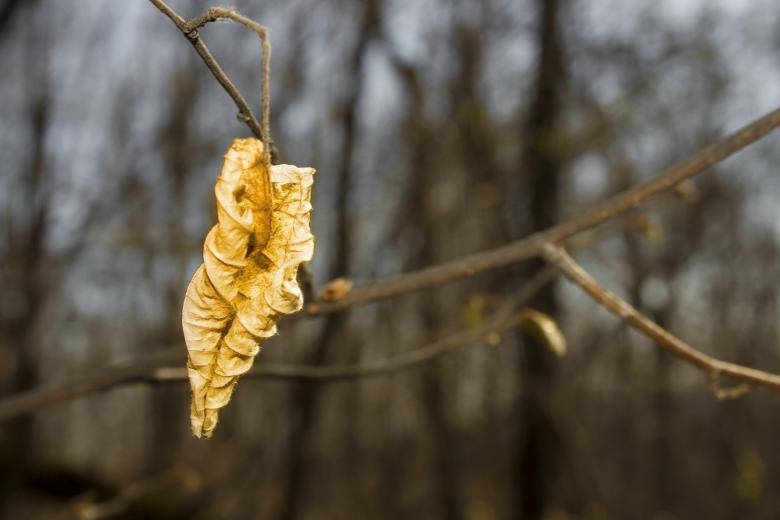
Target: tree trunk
<point>305,398</point>
<point>537,463</point>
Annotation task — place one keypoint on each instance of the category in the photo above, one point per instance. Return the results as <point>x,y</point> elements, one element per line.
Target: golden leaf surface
<point>248,276</point>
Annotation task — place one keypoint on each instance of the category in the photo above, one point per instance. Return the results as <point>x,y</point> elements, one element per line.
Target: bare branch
<point>100,379</point>
<point>327,373</point>
<point>668,179</point>
<point>623,310</point>
<point>531,246</point>
<point>222,13</point>
<point>190,30</point>
<point>152,368</point>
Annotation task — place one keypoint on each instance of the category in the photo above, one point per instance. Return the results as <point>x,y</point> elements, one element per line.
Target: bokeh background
<point>438,129</point>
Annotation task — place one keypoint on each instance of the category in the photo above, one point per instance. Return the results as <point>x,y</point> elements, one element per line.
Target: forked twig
<point>189,28</point>
<point>531,246</point>
<point>626,312</point>
<point>222,13</point>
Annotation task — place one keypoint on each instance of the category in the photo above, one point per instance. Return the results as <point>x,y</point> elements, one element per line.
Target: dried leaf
<point>545,329</point>
<point>248,276</point>
<point>335,289</point>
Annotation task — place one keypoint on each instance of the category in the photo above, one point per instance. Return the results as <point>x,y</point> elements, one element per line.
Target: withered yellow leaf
<point>248,276</point>
<point>544,328</point>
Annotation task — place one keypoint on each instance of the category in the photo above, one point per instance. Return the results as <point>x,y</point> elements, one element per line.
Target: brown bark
<point>537,464</point>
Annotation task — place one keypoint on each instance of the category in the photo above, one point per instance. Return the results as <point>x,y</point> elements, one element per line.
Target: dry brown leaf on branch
<point>248,277</point>
<point>544,329</point>
<point>335,289</point>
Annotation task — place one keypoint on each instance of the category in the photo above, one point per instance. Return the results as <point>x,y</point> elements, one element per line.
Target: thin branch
<point>190,30</point>
<point>623,310</point>
<point>152,368</point>
<point>222,13</point>
<point>326,373</point>
<point>531,246</point>
<point>99,379</point>
<point>667,180</point>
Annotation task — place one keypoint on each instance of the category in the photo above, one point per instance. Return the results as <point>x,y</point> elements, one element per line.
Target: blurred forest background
<point>438,129</point>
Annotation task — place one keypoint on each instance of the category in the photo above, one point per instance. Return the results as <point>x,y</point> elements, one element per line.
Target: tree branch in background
<point>152,368</point>
<point>623,310</point>
<point>99,379</point>
<point>325,373</point>
<point>531,246</point>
